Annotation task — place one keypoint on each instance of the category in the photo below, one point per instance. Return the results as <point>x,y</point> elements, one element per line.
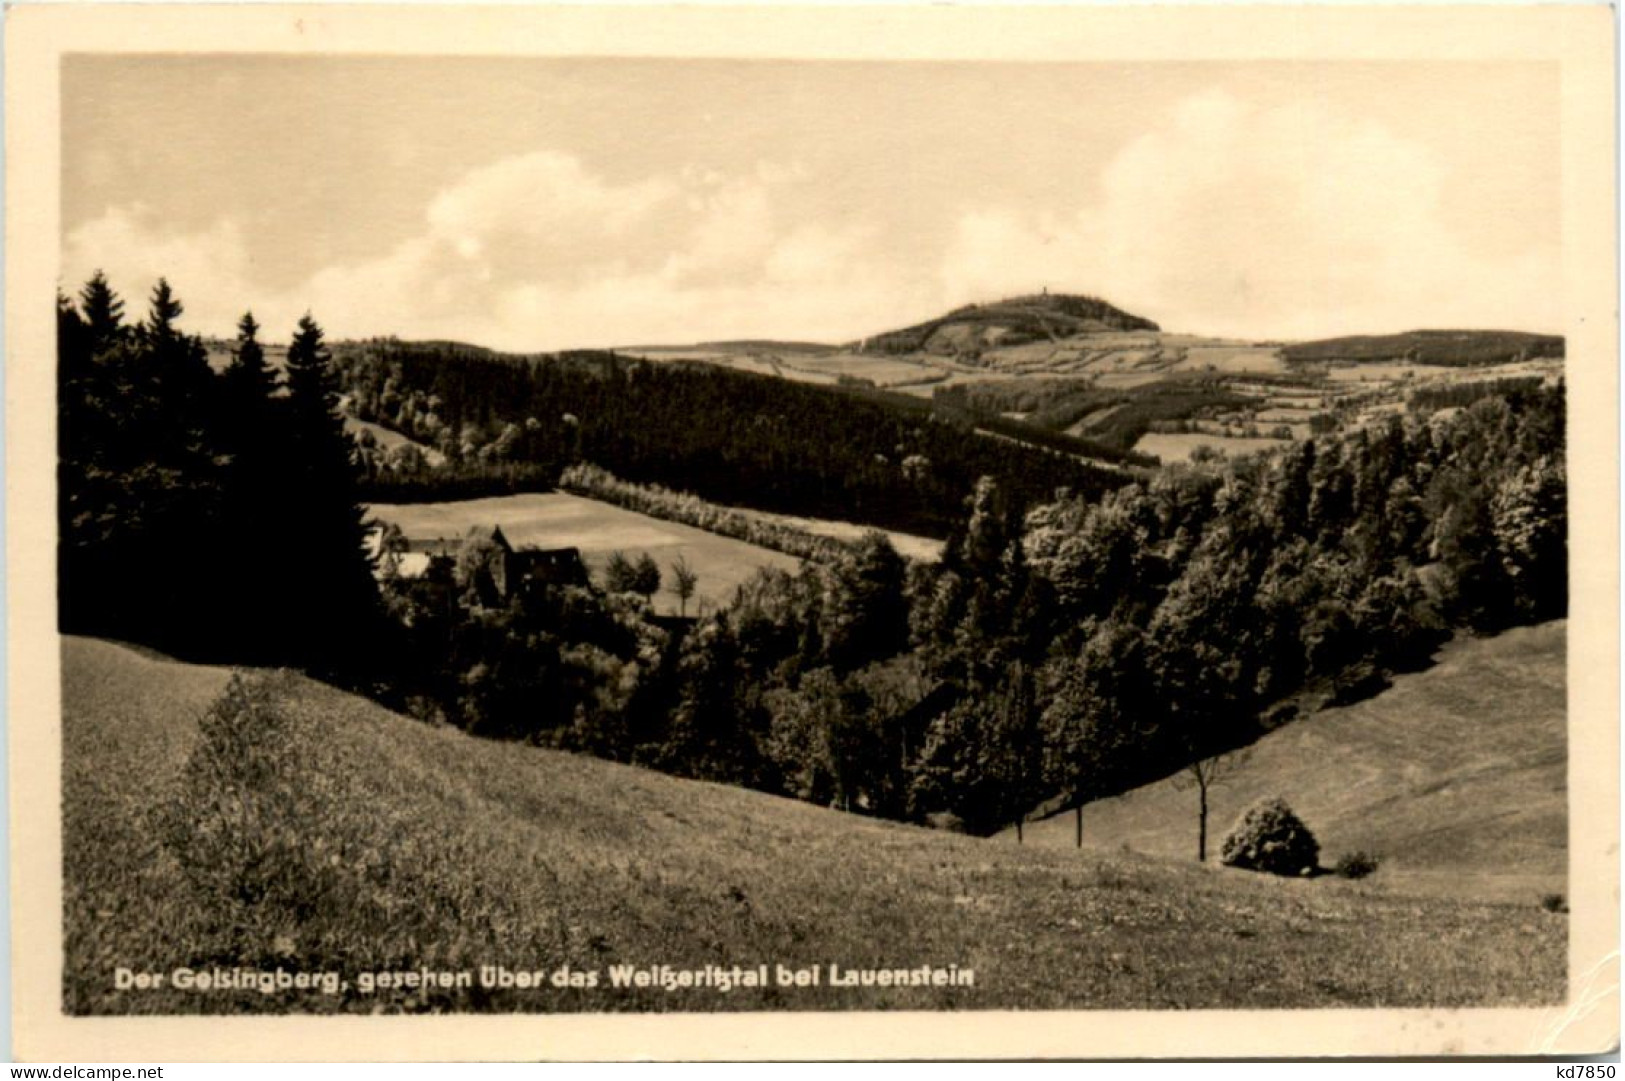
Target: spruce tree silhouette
<point>333,608</point>
<point>259,532</point>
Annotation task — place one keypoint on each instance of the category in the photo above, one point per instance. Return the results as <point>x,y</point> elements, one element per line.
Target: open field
<point>808,366</point>
<point>882,371</point>
<point>1454,776</point>
<point>562,520</point>
<point>220,353</point>
<point>1232,359</point>
<point>321,832</point>
<point>1128,380</point>
<point>1178,446</point>
<point>1389,371</point>
<point>945,377</point>
<point>756,364</point>
<point>389,439</point>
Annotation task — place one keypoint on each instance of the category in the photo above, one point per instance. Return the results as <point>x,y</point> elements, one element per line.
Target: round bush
<point>1269,837</point>
<point>1357,864</point>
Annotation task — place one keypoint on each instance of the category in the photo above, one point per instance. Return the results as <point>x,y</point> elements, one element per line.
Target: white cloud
<point>209,270</point>
<point>538,252</point>
<point>532,252</point>
<point>547,204</point>
<point>1279,222</point>
<point>1224,219</point>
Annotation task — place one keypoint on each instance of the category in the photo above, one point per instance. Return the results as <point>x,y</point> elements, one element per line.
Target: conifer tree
<point>165,309</point>
<point>72,341</point>
<point>258,527</point>
<point>248,375</point>
<point>141,485</point>
<point>103,312</point>
<point>333,599</point>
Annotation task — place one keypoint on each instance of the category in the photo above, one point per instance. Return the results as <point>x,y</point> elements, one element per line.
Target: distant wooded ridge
<point>1443,347</point>
<point>1056,316</point>
<point>846,453</point>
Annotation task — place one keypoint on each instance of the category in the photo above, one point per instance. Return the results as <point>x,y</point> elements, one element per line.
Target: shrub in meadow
<point>1357,864</point>
<point>238,822</point>
<point>1269,837</point>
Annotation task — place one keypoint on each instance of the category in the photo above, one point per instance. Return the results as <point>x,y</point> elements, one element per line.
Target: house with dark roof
<point>484,561</point>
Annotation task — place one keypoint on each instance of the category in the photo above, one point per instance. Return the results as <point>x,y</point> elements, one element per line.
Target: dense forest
<point>1094,644</point>
<point>1070,644</point>
<point>1450,348</point>
<point>729,437</point>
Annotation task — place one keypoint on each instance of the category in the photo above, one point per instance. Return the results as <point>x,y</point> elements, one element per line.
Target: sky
<point>537,204</point>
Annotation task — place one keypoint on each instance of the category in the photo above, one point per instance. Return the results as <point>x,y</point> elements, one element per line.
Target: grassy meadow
<point>388,439</point>
<point>1179,446</point>
<point>317,831</point>
<point>1454,777</point>
<point>560,520</point>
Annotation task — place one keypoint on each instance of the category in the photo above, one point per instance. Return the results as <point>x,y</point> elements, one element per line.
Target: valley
<point>1453,777</point>
<point>453,723</point>
<point>451,851</point>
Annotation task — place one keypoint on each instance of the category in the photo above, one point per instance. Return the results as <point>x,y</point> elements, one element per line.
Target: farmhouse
<point>482,560</point>
<point>415,554</point>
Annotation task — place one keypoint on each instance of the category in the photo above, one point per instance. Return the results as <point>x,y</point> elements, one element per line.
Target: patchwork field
<point>882,371</point>
<point>1232,359</point>
<point>809,366</point>
<point>1454,777</point>
<point>562,520</point>
<point>1391,371</point>
<point>316,830</point>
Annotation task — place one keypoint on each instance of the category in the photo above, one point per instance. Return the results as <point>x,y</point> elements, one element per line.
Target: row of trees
<point>658,502</point>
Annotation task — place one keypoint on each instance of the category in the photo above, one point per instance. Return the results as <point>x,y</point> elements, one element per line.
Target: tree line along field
<point>370,841</point>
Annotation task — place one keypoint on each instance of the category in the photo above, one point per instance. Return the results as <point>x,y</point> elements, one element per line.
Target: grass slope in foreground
<point>360,840</point>
<point>1455,777</point>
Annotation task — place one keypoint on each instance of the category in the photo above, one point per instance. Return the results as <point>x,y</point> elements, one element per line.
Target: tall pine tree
<point>333,606</point>
<point>142,541</point>
<point>103,312</point>
<point>260,529</point>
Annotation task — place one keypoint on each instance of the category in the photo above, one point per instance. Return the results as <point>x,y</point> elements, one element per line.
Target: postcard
<point>812,532</point>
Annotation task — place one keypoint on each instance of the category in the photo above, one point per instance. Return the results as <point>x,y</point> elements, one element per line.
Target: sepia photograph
<point>615,530</point>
